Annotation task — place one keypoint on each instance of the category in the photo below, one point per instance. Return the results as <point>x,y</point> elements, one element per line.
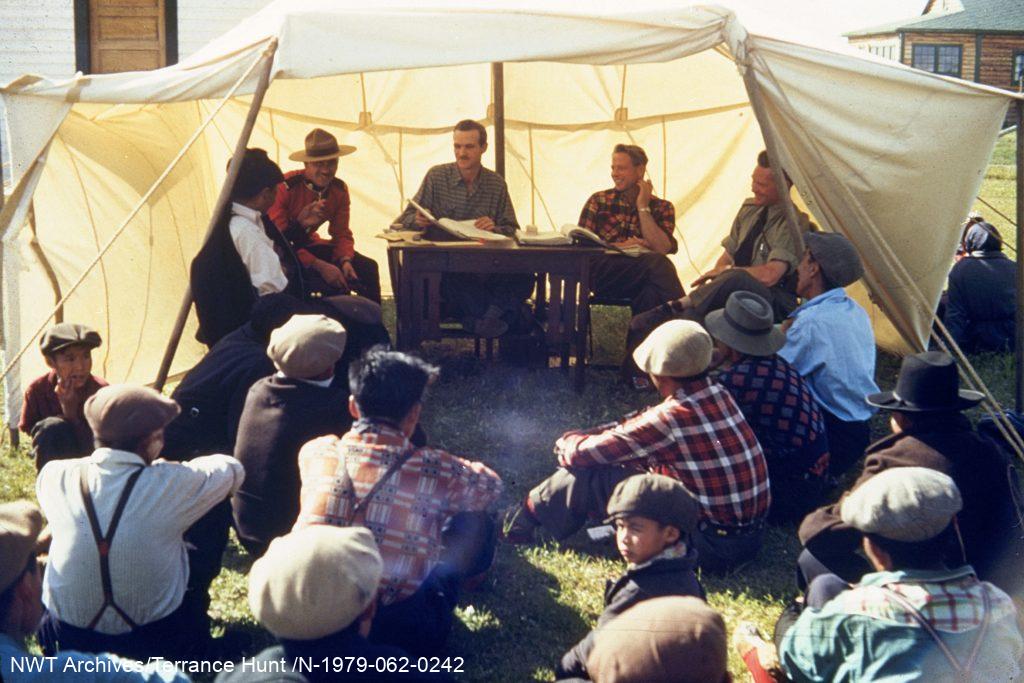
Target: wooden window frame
<point>83,52</point>
<point>935,60</point>
<point>1015,76</point>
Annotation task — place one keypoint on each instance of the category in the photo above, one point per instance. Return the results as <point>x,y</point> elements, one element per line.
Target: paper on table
<point>461,229</point>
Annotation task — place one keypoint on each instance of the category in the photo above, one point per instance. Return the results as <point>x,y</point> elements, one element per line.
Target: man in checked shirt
<point>697,435</point>
<point>425,507</point>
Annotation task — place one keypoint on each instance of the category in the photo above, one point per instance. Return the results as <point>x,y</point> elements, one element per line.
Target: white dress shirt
<point>256,250</point>
<point>148,559</point>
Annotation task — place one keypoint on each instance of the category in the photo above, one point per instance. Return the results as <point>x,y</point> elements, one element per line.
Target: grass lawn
<point>540,600</point>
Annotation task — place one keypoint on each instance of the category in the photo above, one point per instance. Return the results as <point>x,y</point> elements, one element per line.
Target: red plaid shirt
<point>700,437</point>
<point>609,214</point>
<point>406,513</point>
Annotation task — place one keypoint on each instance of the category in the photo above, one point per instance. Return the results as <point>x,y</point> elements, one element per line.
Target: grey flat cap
<point>837,257</point>
<point>657,497</point>
<point>121,412</point>
<point>678,348</point>
<point>307,345</point>
<point>908,504</point>
<point>63,335</point>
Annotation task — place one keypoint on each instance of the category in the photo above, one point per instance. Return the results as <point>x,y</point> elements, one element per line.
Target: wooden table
<point>563,289</point>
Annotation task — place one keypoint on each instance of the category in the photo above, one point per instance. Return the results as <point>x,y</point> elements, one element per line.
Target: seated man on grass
<point>315,589</point>
<point>776,401</point>
<point>52,411</point>
<point>628,215</point>
<point>916,617</point>
<point>118,569</point>
<point>425,507</point>
<point>654,517</point>
<point>697,435</point>
<point>21,609</point>
<point>486,304</point>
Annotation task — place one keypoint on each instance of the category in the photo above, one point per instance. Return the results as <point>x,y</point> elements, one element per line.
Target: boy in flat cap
<point>52,410</point>
<point>21,608</point>
<point>654,517</point>
<point>929,430</point>
<point>309,197</point>
<point>916,617</point>
<point>697,435</point>
<point>118,570</point>
<point>315,590</point>
<point>775,399</point>
<point>282,413</point>
<point>427,508</point>
<point>830,342</point>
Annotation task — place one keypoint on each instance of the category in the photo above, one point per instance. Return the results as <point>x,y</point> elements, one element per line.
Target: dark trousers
<point>469,295</point>
<point>794,497</point>
<point>566,500</point>
<point>847,442</point>
<point>366,268</point>
<point>845,564</point>
<point>647,280</point>
<point>420,624</point>
<point>712,295</point>
<point>54,438</point>
<point>172,637</point>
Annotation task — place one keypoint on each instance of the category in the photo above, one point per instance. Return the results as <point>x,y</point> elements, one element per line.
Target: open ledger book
<point>574,234</point>
<point>463,230</point>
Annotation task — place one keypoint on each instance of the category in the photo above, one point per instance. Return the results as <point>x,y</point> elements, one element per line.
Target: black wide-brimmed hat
<point>928,383</point>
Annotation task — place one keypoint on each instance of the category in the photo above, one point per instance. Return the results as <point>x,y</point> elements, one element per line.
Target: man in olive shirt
<point>465,190</point>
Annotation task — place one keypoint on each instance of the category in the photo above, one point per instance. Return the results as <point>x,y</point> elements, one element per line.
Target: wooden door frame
<point>83,48</point>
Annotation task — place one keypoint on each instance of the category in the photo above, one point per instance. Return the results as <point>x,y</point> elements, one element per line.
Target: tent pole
<point>1019,350</point>
<point>12,430</point>
<point>757,103</point>
<point>222,202</point>
<point>498,78</point>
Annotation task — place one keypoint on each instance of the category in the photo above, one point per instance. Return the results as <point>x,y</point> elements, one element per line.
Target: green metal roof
<point>977,16</point>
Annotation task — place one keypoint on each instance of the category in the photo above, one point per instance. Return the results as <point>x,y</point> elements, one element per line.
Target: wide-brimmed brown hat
<point>747,324</point>
<point>321,146</point>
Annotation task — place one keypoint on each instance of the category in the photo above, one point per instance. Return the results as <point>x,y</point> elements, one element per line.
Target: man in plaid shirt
<point>629,216</point>
<point>697,435</point>
<point>914,618</point>
<point>425,507</point>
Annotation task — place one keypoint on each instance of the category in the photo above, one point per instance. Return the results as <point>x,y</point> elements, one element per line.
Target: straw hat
<point>321,146</point>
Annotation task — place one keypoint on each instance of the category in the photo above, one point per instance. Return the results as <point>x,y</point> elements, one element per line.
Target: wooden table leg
<point>582,326</point>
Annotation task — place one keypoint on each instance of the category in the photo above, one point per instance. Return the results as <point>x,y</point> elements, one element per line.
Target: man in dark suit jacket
<point>282,412</point>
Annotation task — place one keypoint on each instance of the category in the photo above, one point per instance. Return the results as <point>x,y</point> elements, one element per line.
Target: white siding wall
<point>200,21</point>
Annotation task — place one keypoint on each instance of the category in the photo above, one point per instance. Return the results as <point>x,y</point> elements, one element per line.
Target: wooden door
<point>127,35</point>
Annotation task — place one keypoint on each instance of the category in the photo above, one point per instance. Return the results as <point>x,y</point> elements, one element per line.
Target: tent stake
<point>222,202</point>
<point>1019,350</point>
<point>498,78</point>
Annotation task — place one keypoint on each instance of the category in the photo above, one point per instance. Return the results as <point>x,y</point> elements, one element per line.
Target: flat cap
<point>20,526</point>
<point>121,412</point>
<point>662,640</point>
<point>307,345</point>
<point>657,497</point>
<point>837,257</point>
<point>315,581</point>
<point>908,504</point>
<point>64,335</point>
<point>678,348</point>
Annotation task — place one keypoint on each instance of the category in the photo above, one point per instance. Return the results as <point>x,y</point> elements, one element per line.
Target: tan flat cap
<point>315,581</point>
<point>663,640</point>
<point>678,348</point>
<point>20,525</point>
<point>307,345</point>
<point>908,504</point>
<point>121,412</point>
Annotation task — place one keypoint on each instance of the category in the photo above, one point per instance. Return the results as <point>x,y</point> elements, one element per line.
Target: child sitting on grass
<point>654,516</point>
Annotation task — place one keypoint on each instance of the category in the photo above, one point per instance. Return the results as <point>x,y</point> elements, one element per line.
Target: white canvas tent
<point>889,156</point>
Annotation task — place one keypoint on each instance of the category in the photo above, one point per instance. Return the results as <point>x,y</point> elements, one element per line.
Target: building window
<point>939,59</point>
<point>1018,68</point>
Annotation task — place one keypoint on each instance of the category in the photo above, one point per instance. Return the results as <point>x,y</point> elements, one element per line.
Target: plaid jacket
<point>862,634</point>
<point>700,437</point>
<point>406,513</point>
<point>615,219</point>
<point>783,413</point>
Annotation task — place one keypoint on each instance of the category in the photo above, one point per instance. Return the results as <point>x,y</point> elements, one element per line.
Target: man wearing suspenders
<point>118,569</point>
